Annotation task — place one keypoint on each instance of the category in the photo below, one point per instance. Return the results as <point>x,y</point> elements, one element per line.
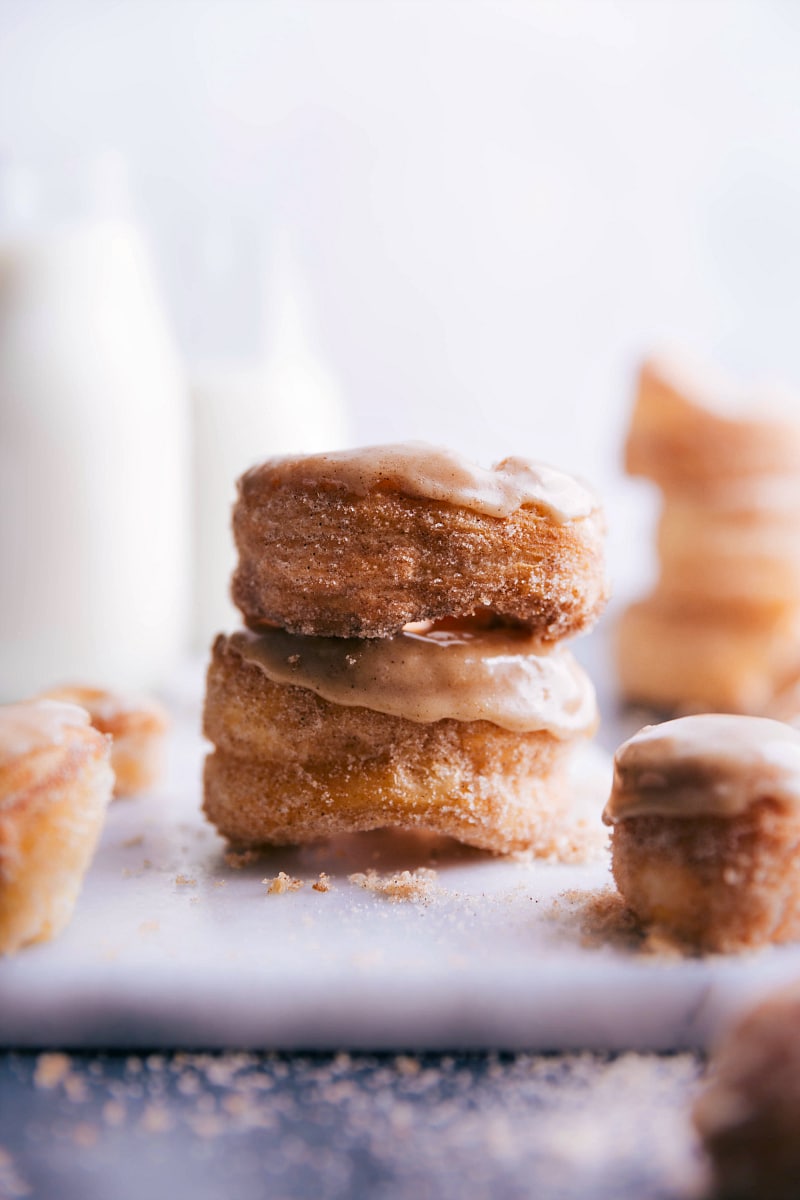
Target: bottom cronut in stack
<point>460,722</point>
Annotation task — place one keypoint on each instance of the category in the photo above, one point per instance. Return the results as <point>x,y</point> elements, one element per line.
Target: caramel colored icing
<point>36,725</point>
<point>418,469</point>
<point>498,675</point>
<point>712,765</point>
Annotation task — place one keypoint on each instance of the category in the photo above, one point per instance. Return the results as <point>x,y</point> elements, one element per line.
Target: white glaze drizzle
<point>707,765</point>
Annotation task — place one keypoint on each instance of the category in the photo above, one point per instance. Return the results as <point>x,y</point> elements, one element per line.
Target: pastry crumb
<point>282,883</point>
<point>220,883</point>
<point>323,884</point>
<point>241,858</point>
<point>51,1070</point>
<point>415,886</point>
<point>185,881</point>
<point>149,927</point>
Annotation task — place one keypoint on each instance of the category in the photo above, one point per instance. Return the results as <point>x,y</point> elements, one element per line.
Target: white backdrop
<point>496,206</point>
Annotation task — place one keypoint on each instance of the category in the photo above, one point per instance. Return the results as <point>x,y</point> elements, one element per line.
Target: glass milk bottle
<point>281,399</point>
<point>93,462</point>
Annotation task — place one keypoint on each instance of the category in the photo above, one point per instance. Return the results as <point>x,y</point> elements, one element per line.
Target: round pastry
<point>360,543</point>
<point>55,784</point>
<point>137,726</point>
<point>457,731</point>
<point>748,1114</point>
<point>691,430</point>
<point>705,817</point>
<point>726,554</point>
<point>673,658</point>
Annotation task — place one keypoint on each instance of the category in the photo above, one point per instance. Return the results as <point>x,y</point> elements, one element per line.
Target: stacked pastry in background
<point>404,663</point>
<point>721,630</point>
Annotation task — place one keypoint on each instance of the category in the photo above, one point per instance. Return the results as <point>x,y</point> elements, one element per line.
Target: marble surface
<point>171,946</point>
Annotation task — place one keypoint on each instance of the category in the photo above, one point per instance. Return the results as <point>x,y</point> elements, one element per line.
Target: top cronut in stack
<point>403,662</point>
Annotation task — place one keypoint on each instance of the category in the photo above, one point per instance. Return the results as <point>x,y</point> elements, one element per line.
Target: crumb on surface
<point>282,883</point>
<point>323,884</point>
<point>149,927</point>
<point>185,881</point>
<point>51,1069</point>
<point>415,886</point>
<point>602,918</point>
<point>241,858</point>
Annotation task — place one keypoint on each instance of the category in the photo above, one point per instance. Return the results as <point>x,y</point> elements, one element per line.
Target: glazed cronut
<point>291,767</point>
<point>318,560</point>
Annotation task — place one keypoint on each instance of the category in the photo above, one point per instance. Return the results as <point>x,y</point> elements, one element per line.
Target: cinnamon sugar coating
<point>749,1112</point>
<point>53,799</point>
<point>715,883</point>
<point>317,559</point>
<point>290,767</point>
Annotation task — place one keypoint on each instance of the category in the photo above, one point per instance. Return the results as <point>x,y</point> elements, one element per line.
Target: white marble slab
<point>486,962</point>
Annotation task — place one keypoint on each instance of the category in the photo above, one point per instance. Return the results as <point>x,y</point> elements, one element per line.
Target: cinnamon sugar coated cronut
<point>705,819</point>
<point>748,1114</point>
<point>290,767</point>
<point>317,559</point>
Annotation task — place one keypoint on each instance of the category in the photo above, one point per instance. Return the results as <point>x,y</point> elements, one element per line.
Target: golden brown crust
<point>714,883</point>
<point>677,658</point>
<point>291,767</point>
<point>749,1112</point>
<point>52,805</point>
<point>317,560</point>
<point>137,727</point>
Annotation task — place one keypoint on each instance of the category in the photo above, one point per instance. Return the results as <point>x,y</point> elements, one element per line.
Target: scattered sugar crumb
<point>51,1070</point>
<point>241,858</point>
<point>416,886</point>
<point>603,919</point>
<point>11,1182</point>
<point>185,881</point>
<point>76,1089</point>
<point>133,841</point>
<point>406,1065</point>
<point>156,1119</point>
<point>323,884</point>
<point>85,1135</point>
<point>149,927</point>
<point>114,1113</point>
<point>282,883</point>
<point>220,883</point>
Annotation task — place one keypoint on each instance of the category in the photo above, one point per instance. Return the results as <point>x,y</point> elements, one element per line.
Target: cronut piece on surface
<point>138,726</point>
<point>748,1114</point>
<point>318,560</point>
<point>53,798</point>
<point>715,883</point>
<point>290,767</point>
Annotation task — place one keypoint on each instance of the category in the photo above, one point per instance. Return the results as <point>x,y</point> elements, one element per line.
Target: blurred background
<point>337,221</point>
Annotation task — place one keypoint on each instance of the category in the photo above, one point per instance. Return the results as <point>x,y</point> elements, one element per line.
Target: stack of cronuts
<point>721,631</point>
<point>403,663</point>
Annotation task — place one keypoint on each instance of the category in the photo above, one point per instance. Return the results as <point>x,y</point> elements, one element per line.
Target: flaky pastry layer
<point>318,560</point>
<point>290,767</point>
